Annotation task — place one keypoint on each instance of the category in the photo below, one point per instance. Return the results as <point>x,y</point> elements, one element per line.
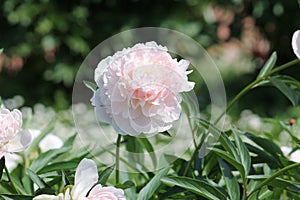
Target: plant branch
<point>254,84</point>
<point>275,175</point>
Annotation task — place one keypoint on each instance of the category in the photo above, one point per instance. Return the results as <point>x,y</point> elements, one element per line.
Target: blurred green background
<point>46,41</point>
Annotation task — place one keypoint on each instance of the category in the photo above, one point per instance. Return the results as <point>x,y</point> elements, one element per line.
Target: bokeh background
<point>45,42</point>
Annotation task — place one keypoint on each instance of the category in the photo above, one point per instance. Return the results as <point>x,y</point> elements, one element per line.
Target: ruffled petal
<point>20,142</point>
<point>85,177</point>
<point>296,43</point>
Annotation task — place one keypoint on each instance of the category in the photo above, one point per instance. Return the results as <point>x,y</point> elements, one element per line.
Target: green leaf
<point>231,160</point>
<point>148,190</point>
<point>27,183</point>
<point>263,157</point>
<point>36,179</point>
<point>58,167</point>
<point>231,182</point>
<point>1,51</point>
<point>197,186</point>
<point>223,138</point>
<point>265,144</point>
<point>263,193</point>
<point>104,175</point>
<point>274,176</point>
<point>48,156</point>
<point>16,176</point>
<point>16,197</point>
<point>90,85</point>
<point>125,185</point>
<point>148,146</point>
<point>2,165</point>
<point>285,89</point>
<point>268,65</point>
<point>243,152</point>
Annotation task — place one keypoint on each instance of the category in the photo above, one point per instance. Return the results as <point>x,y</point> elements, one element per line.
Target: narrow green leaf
<point>148,146</point>
<point>48,156</point>
<point>148,190</point>
<point>268,65</point>
<point>263,157</point>
<point>1,50</point>
<point>243,152</point>
<point>199,187</point>
<point>223,138</point>
<point>90,85</point>
<point>2,165</point>
<point>231,160</point>
<point>263,193</point>
<point>274,176</point>
<point>36,179</point>
<point>285,89</point>
<point>125,185</point>
<point>16,197</point>
<point>265,144</point>
<point>231,182</point>
<point>58,167</point>
<point>27,183</point>
<point>104,175</point>
<point>16,176</point>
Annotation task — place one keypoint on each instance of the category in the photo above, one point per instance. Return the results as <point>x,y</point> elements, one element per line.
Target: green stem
<point>10,179</point>
<point>194,155</point>
<point>275,175</point>
<point>253,84</point>
<point>118,159</point>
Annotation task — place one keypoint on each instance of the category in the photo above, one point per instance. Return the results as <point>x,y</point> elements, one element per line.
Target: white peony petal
<point>85,177</point>
<point>34,133</point>
<point>49,142</point>
<point>103,64</point>
<point>48,197</point>
<point>12,160</point>
<point>67,195</point>
<point>296,43</point>
<point>122,126</point>
<point>20,142</point>
<point>102,115</point>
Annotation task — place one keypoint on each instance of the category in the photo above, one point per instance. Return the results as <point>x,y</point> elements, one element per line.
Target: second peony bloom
<point>138,89</point>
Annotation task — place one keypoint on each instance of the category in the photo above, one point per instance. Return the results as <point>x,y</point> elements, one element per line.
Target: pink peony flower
<point>106,193</point>
<point>296,43</point>
<point>139,89</point>
<point>12,137</point>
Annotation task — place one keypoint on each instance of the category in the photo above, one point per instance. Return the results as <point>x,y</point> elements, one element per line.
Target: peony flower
<point>106,193</point>
<point>12,137</point>
<point>86,176</point>
<point>296,43</point>
<point>138,89</point>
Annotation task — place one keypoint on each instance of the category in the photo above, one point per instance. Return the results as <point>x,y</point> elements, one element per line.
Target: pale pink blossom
<point>12,137</point>
<point>139,89</point>
<point>86,176</point>
<point>106,193</point>
<point>296,43</point>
